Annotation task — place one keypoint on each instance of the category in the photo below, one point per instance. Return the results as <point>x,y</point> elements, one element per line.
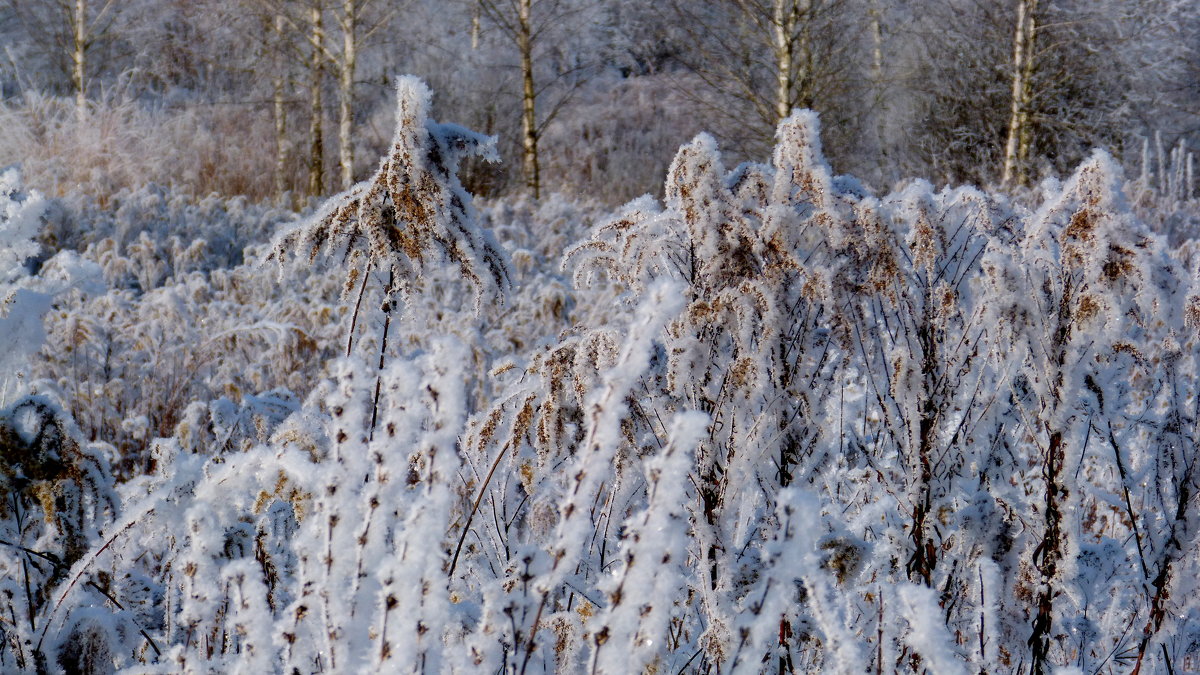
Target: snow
<point>773,421</point>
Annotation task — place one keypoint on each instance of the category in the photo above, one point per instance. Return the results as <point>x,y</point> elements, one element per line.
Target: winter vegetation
<point>422,397</point>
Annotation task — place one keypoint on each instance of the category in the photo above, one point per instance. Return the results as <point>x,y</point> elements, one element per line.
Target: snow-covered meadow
<point>773,422</point>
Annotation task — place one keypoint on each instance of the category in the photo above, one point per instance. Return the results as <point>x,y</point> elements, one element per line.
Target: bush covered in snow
<point>773,422</point>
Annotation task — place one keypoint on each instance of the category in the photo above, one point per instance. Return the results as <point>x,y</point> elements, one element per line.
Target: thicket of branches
<point>774,422</point>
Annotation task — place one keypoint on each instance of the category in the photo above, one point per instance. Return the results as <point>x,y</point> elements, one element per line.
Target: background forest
<point>604,336</point>
<point>282,100</point>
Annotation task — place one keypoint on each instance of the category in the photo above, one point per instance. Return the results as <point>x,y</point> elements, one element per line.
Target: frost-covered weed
<point>118,143</point>
<point>413,214</point>
<point>772,423</point>
<point>1163,192</point>
<point>58,497</point>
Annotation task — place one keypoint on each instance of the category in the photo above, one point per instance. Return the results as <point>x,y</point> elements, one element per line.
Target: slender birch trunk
<point>784,24</point>
<point>280,112</point>
<point>875,14</point>
<point>347,65</point>
<point>881,100</point>
<point>280,137</point>
<point>78,55</point>
<point>1020,132</point>
<point>790,26</point>
<point>316,156</point>
<point>476,27</point>
<point>528,100</point>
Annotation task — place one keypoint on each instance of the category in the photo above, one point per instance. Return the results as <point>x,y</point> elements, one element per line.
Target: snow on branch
<point>413,215</point>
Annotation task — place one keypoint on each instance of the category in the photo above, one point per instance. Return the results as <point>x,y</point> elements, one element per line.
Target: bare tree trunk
<point>528,100</point>
<point>277,95</point>
<point>78,54</point>
<point>881,100</point>
<point>790,25</point>
<point>475,27</point>
<point>875,15</point>
<point>784,23</point>
<point>316,156</point>
<point>347,65</point>
<point>1020,133</point>
<point>280,138</point>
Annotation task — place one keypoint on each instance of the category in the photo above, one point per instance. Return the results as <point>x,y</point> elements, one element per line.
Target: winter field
<point>482,412</point>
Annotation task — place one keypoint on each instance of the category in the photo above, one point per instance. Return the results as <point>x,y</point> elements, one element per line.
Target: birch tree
<point>316,74</point>
<point>347,21</point>
<point>354,26</point>
<point>85,26</point>
<point>794,58</point>
<point>530,26</point>
<point>72,28</point>
<point>1016,147</point>
<point>514,19</point>
<point>279,115</point>
<point>1006,91</point>
<point>767,57</point>
<point>355,22</point>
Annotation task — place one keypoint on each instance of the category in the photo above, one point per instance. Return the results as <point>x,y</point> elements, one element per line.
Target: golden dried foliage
<point>413,213</point>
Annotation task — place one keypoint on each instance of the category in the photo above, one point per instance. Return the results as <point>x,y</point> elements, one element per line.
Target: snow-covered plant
<point>135,366</point>
<point>1164,193</point>
<point>413,214</point>
<point>864,348</point>
<point>773,423</point>
<point>326,550</point>
<point>362,481</point>
<point>1080,302</point>
<point>744,351</point>
<point>58,497</point>
<point>20,308</point>
<point>20,214</point>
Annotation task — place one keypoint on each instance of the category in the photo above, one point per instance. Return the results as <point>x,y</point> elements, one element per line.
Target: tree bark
<point>277,95</point>
<point>791,22</point>
<point>78,55</point>
<point>347,65</point>
<point>784,24</point>
<point>876,18</point>
<point>316,154</point>
<point>528,100</point>
<point>875,15</point>
<point>1020,132</point>
<point>476,28</point>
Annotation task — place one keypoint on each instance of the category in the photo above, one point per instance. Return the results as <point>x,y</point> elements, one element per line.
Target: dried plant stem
<point>362,289</point>
<point>83,568</point>
<point>29,604</point>
<point>475,507</point>
<point>1158,610</point>
<point>387,323</point>
<point>121,607</point>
